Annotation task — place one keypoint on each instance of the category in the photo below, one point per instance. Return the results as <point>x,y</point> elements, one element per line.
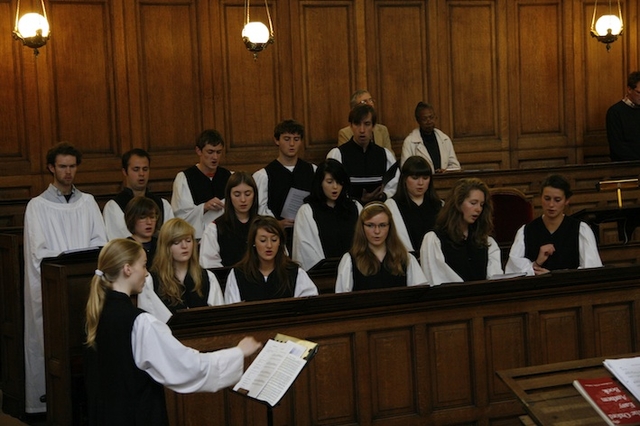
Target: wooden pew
<point>11,321</point>
<point>411,356</point>
<point>65,290</point>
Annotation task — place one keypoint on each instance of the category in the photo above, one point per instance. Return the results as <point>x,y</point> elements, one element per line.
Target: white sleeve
<point>149,301</point>
<point>304,286</point>
<point>391,186</point>
<point>452,161</point>
<point>210,248</point>
<point>415,276</point>
<point>307,248</point>
<point>589,256</point>
<point>344,280</point>
<point>183,205</point>
<point>231,291</point>
<point>517,261</point>
<point>114,223</point>
<point>494,264</point>
<point>432,261</point>
<point>167,211</point>
<point>215,297</point>
<point>336,154</point>
<point>180,368</point>
<point>262,183</point>
<point>407,150</point>
<point>401,227</point>
<point>98,233</point>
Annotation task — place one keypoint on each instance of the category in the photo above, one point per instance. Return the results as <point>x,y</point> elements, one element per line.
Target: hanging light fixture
<point>608,27</point>
<point>32,28</point>
<point>255,35</point>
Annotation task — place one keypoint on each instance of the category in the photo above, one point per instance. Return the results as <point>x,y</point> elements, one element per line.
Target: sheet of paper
<point>295,199</point>
<point>627,370</point>
<point>266,364</point>
<point>282,379</point>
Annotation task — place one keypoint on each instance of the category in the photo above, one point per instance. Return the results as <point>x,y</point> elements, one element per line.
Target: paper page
<point>627,370</point>
<point>282,379</point>
<point>265,365</point>
<point>295,198</point>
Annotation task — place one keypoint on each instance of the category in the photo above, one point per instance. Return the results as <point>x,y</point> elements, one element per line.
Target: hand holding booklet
<point>276,368</point>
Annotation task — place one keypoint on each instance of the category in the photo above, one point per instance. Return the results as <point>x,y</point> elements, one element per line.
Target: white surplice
<point>50,228</point>
<point>185,208</point>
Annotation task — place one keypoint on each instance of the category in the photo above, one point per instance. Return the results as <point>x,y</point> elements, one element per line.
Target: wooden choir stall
<point>411,356</point>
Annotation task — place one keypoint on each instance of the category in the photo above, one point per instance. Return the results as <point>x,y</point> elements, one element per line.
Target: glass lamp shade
<point>256,32</point>
<point>606,23</point>
<point>32,25</point>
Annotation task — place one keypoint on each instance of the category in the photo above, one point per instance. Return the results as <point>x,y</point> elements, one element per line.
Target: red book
<point>610,400</point>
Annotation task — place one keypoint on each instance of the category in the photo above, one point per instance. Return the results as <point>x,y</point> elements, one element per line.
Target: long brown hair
<point>229,215</point>
<point>170,287</point>
<point>113,257</point>
<point>450,219</point>
<point>250,263</point>
<point>397,257</point>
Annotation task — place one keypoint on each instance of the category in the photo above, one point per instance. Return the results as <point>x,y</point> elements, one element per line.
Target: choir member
<point>141,216</point>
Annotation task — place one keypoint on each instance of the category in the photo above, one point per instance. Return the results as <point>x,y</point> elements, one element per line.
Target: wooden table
<point>548,395</point>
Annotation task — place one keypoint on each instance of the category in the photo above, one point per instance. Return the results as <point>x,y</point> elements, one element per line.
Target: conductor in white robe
<point>62,218</point>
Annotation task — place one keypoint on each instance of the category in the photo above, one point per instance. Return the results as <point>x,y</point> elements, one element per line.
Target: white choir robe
<point>178,367</point>
<point>438,271</point>
<point>391,186</point>
<point>210,248</point>
<point>149,301</point>
<point>304,287</point>
<point>262,183</point>
<point>344,281</point>
<point>587,247</point>
<point>401,227</point>
<point>114,219</point>
<point>307,248</point>
<point>184,207</point>
<point>49,229</point>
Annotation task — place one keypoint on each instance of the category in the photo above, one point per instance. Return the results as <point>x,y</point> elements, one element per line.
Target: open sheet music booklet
<point>275,369</point>
<point>627,371</point>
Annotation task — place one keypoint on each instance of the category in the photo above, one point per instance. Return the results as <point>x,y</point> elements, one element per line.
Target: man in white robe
<point>135,168</point>
<point>61,218</point>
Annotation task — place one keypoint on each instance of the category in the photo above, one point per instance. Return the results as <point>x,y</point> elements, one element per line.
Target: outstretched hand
<point>248,345</point>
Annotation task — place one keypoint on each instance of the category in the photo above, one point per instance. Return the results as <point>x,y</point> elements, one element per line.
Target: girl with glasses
<point>377,258</point>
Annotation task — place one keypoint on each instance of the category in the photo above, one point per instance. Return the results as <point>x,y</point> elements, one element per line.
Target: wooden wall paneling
<point>393,375</point>
<point>560,335</point>
<point>82,77</point>
<point>324,62</point>
<point>506,347</point>
<point>18,111</point>
<point>474,86</point>
<point>250,90</point>
<point>613,325</point>
<point>603,75</point>
<point>450,370</point>
<point>168,46</point>
<point>333,401</point>
<point>401,62</point>
<point>539,89</point>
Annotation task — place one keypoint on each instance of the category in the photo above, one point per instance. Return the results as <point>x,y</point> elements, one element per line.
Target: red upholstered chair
<point>511,210</point>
